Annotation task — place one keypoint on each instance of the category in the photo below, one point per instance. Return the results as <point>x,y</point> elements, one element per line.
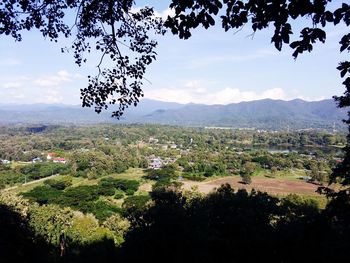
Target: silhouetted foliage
<point>224,226</point>
<point>120,33</point>
<point>18,243</point>
<point>228,226</point>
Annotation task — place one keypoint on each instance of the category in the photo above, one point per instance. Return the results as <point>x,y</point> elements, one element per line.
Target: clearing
<point>275,186</point>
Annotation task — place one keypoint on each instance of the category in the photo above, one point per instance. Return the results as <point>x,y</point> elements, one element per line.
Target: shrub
<point>106,190</point>
<point>43,194</point>
<point>100,209</point>
<point>77,196</point>
<point>59,184</point>
<point>118,194</point>
<point>246,178</point>
<point>136,202</point>
<point>121,184</point>
<point>129,192</point>
<point>193,177</point>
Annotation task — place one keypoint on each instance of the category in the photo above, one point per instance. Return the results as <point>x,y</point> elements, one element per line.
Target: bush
<point>167,172</point>
<point>43,195</point>
<point>118,194</point>
<point>121,184</point>
<point>193,177</point>
<point>77,196</point>
<point>136,202</point>
<point>246,178</point>
<point>10,178</point>
<point>59,184</point>
<point>102,210</point>
<point>41,170</point>
<point>129,192</point>
<point>106,190</point>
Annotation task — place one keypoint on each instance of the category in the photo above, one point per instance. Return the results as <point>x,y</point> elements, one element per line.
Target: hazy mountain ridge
<point>261,114</point>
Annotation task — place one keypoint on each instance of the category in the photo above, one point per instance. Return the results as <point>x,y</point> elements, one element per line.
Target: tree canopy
<point>118,31</point>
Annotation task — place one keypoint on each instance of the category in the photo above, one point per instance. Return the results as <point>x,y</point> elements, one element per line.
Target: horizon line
<point>193,103</point>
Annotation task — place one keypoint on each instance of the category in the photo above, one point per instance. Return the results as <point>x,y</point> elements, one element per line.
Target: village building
<point>156,163</point>
<point>59,160</point>
<point>5,161</point>
<point>50,156</point>
<point>37,160</point>
<point>153,140</point>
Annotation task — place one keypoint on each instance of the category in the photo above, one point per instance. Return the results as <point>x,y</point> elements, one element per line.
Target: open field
<point>131,174</point>
<point>282,184</point>
<point>276,186</point>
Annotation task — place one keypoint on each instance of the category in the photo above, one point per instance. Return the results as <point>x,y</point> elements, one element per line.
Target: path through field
<point>31,182</point>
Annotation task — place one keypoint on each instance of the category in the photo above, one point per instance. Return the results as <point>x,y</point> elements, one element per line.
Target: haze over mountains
<point>260,114</point>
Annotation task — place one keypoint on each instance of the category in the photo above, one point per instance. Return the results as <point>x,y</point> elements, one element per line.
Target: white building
<point>156,163</point>
<point>37,160</point>
<point>5,161</point>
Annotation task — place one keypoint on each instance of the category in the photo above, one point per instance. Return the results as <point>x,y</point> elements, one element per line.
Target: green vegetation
<point>61,183</point>
<point>159,222</point>
<point>84,198</point>
<point>107,190</point>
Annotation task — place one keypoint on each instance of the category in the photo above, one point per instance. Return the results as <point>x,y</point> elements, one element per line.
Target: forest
<point>128,192</point>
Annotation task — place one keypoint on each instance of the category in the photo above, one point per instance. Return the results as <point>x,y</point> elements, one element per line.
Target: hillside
<point>260,114</point>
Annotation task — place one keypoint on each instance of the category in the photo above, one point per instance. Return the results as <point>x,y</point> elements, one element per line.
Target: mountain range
<point>260,114</point>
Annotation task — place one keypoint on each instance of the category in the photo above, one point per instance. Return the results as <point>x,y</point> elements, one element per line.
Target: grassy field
<point>131,174</point>
<point>292,174</point>
<point>283,183</point>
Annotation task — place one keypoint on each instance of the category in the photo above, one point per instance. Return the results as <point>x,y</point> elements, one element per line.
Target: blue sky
<point>211,67</point>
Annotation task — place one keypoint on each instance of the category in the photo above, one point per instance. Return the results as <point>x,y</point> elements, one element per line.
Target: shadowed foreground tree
<point>18,242</point>
<point>224,226</point>
<point>228,226</point>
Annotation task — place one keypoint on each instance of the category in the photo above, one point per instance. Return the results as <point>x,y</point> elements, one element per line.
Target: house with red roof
<point>59,160</point>
<point>50,156</point>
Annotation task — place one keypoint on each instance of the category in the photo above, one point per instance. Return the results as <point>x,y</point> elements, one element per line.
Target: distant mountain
<point>75,114</point>
<point>260,114</point>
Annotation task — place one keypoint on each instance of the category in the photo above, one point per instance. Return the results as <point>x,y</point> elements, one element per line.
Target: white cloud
<point>165,13</point>
<point>55,80</point>
<point>60,87</point>
<point>11,85</point>
<point>162,14</point>
<point>234,58</point>
<point>8,62</point>
<point>51,96</point>
<point>195,92</point>
<point>18,96</point>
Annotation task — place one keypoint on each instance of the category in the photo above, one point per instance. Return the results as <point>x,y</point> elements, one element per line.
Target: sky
<point>212,67</point>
